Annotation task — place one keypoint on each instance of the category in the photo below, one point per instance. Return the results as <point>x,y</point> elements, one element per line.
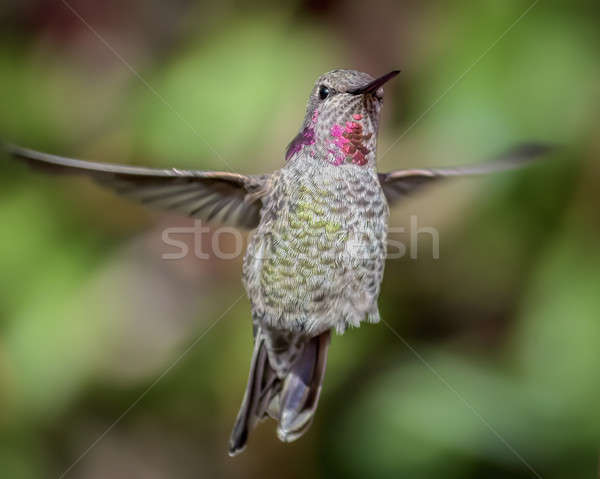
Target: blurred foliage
<point>501,374</point>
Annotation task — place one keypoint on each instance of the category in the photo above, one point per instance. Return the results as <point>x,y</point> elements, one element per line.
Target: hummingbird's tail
<point>284,382</point>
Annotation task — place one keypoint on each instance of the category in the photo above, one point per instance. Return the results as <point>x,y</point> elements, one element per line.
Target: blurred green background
<point>508,317</point>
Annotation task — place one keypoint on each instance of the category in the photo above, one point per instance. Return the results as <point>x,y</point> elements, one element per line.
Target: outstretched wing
<point>399,183</point>
<point>208,195</point>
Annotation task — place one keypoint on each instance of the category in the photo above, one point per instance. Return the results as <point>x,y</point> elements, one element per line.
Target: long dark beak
<point>372,87</point>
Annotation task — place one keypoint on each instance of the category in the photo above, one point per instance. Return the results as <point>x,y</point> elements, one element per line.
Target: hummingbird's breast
<point>316,260</point>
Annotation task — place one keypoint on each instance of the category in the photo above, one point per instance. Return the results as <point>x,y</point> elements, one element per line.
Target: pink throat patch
<point>348,143</point>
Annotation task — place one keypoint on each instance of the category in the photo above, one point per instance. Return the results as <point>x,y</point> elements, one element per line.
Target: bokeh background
<point>504,327</point>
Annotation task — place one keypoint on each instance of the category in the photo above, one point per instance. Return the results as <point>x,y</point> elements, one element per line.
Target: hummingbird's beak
<point>372,87</point>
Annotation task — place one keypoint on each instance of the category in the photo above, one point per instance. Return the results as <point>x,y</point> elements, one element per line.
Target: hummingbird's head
<point>342,118</point>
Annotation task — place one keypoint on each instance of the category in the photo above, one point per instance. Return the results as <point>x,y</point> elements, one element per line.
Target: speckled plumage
<point>316,260</point>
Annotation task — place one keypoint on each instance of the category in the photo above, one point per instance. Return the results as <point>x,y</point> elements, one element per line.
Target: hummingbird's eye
<point>323,92</point>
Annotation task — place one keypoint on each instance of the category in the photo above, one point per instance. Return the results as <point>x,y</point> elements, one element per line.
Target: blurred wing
<point>400,183</point>
<point>208,195</point>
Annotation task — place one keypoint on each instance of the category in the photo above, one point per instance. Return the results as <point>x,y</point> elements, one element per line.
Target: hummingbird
<point>315,261</point>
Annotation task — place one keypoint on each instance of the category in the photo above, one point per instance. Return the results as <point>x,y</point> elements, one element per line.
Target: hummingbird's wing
<point>208,195</point>
<point>400,183</point>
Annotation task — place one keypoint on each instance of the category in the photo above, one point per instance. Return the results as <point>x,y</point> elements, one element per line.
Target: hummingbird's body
<point>315,262</point>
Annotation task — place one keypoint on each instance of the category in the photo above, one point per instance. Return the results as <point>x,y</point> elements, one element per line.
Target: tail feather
<point>302,388</point>
<point>281,385</point>
<point>261,380</point>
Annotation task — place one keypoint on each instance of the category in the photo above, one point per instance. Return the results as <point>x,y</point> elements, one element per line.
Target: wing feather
<point>400,183</point>
<point>196,193</point>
